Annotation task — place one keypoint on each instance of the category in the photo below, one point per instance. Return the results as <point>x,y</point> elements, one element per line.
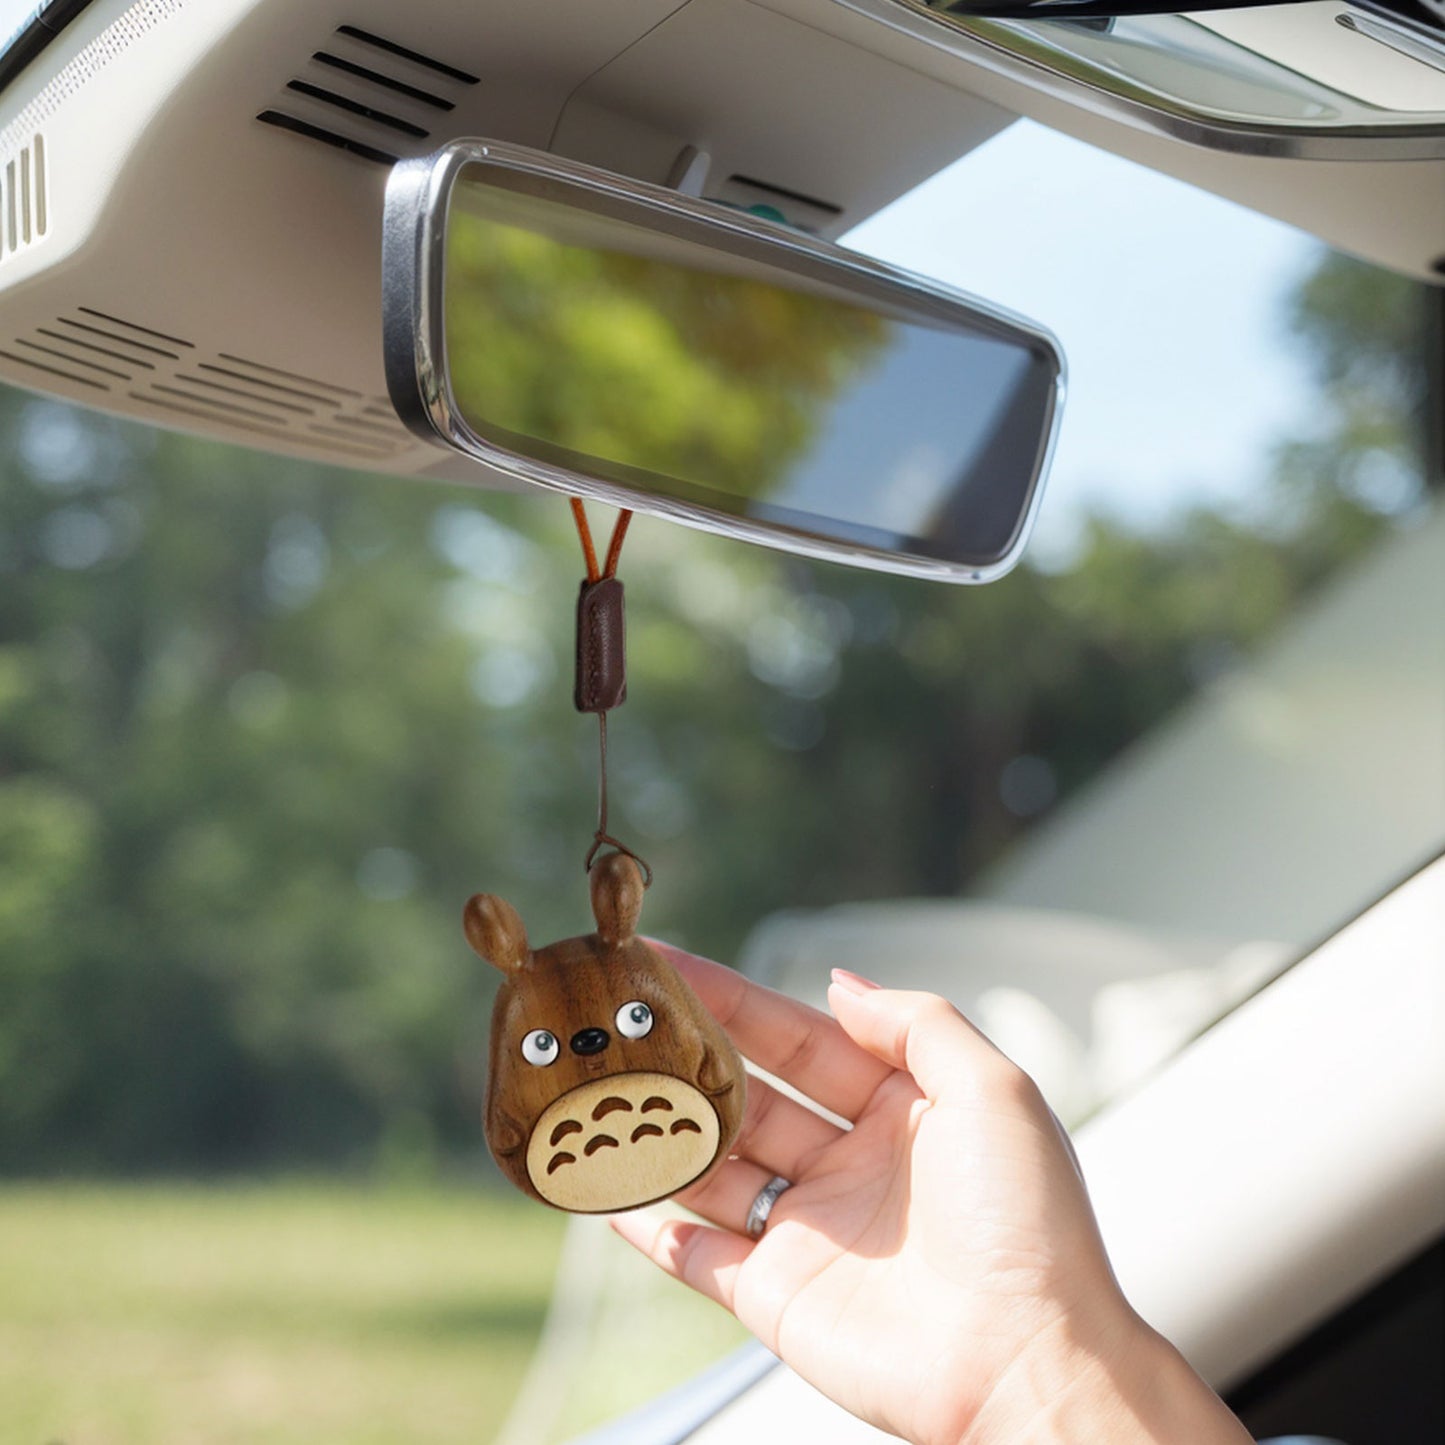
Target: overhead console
<point>195,186</point>
<point>191,190</point>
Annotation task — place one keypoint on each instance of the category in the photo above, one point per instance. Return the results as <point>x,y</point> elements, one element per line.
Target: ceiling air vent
<point>92,349</point>
<point>778,203</point>
<point>102,352</point>
<point>24,198</point>
<point>369,96</point>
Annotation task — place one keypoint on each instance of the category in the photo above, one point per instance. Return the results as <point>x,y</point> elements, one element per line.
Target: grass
<point>269,1314</point>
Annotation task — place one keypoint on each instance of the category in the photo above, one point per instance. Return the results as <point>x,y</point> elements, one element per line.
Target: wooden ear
<point>495,931</point>
<point>616,897</point>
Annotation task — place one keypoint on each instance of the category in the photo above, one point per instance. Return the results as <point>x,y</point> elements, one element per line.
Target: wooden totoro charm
<point>609,1086</point>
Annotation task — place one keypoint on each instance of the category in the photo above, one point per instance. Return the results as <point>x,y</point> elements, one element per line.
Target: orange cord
<point>584,533</point>
<point>614,548</point>
<point>589,552</point>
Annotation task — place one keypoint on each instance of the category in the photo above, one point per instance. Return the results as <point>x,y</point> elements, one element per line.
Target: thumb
<point>918,1032</point>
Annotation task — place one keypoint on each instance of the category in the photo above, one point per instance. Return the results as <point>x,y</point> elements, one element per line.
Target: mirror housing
<point>614,340</point>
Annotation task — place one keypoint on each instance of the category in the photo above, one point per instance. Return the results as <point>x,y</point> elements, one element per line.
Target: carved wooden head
<point>609,1086</point>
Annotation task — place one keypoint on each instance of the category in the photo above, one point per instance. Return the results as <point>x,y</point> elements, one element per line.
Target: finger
<point>798,1044</point>
<point>703,1258</point>
<point>919,1032</point>
<point>726,1195</point>
<point>1068,1143</point>
<point>779,1133</point>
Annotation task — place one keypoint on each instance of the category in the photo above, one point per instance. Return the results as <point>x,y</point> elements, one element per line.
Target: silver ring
<point>763,1205</point>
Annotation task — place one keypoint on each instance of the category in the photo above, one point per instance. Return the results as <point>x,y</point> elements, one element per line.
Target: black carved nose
<point>589,1041</point>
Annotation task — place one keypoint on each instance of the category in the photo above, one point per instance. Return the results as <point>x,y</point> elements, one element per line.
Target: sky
<point>13,13</point>
<point>1168,302</point>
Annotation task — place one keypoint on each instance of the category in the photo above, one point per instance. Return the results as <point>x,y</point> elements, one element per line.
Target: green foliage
<point>264,727</point>
<point>1364,330</point>
<point>718,385</point>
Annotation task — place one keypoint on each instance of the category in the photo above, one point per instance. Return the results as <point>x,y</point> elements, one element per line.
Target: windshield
<point>16,16</point>
<point>1206,730</point>
<point>264,725</point>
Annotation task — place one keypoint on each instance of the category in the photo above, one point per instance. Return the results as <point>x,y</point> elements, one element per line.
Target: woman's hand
<point>935,1268</point>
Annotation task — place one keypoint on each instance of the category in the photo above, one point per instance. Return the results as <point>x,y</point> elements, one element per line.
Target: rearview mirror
<point>615,340</point>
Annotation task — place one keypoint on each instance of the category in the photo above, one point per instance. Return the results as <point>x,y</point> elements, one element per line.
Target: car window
<point>264,725</point>
<point>1203,729</point>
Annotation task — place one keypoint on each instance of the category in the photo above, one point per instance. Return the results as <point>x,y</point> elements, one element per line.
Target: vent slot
<point>54,371</point>
<point>202,414</point>
<point>355,107</point>
<point>72,359</point>
<point>131,326</point>
<point>290,375</point>
<point>74,342</point>
<point>392,48</point>
<point>386,82</point>
<point>366,94</point>
<point>99,351</point>
<point>269,386</point>
<point>365,424</point>
<point>225,407</point>
<point>283,121</point>
<point>24,198</point>
<point>242,394</point>
<point>85,326</point>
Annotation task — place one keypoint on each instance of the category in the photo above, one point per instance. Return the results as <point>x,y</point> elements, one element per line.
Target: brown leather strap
<point>601,681</point>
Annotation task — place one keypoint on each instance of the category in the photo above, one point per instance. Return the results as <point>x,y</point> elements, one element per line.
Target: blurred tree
<point>1364,329</point>
<point>720,385</point>
<point>264,726</point>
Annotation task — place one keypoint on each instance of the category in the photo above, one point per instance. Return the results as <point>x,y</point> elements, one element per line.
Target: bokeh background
<point>263,727</point>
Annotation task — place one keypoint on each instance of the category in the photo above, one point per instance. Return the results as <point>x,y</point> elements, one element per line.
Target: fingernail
<point>852,982</point>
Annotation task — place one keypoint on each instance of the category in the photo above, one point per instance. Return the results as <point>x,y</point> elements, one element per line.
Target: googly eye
<point>540,1047</point>
<point>634,1020</point>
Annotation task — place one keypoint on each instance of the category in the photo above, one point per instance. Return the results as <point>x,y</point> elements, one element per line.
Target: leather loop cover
<point>601,647</point>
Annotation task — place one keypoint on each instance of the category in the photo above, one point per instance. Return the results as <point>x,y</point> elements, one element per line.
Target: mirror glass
<point>757,381</point>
